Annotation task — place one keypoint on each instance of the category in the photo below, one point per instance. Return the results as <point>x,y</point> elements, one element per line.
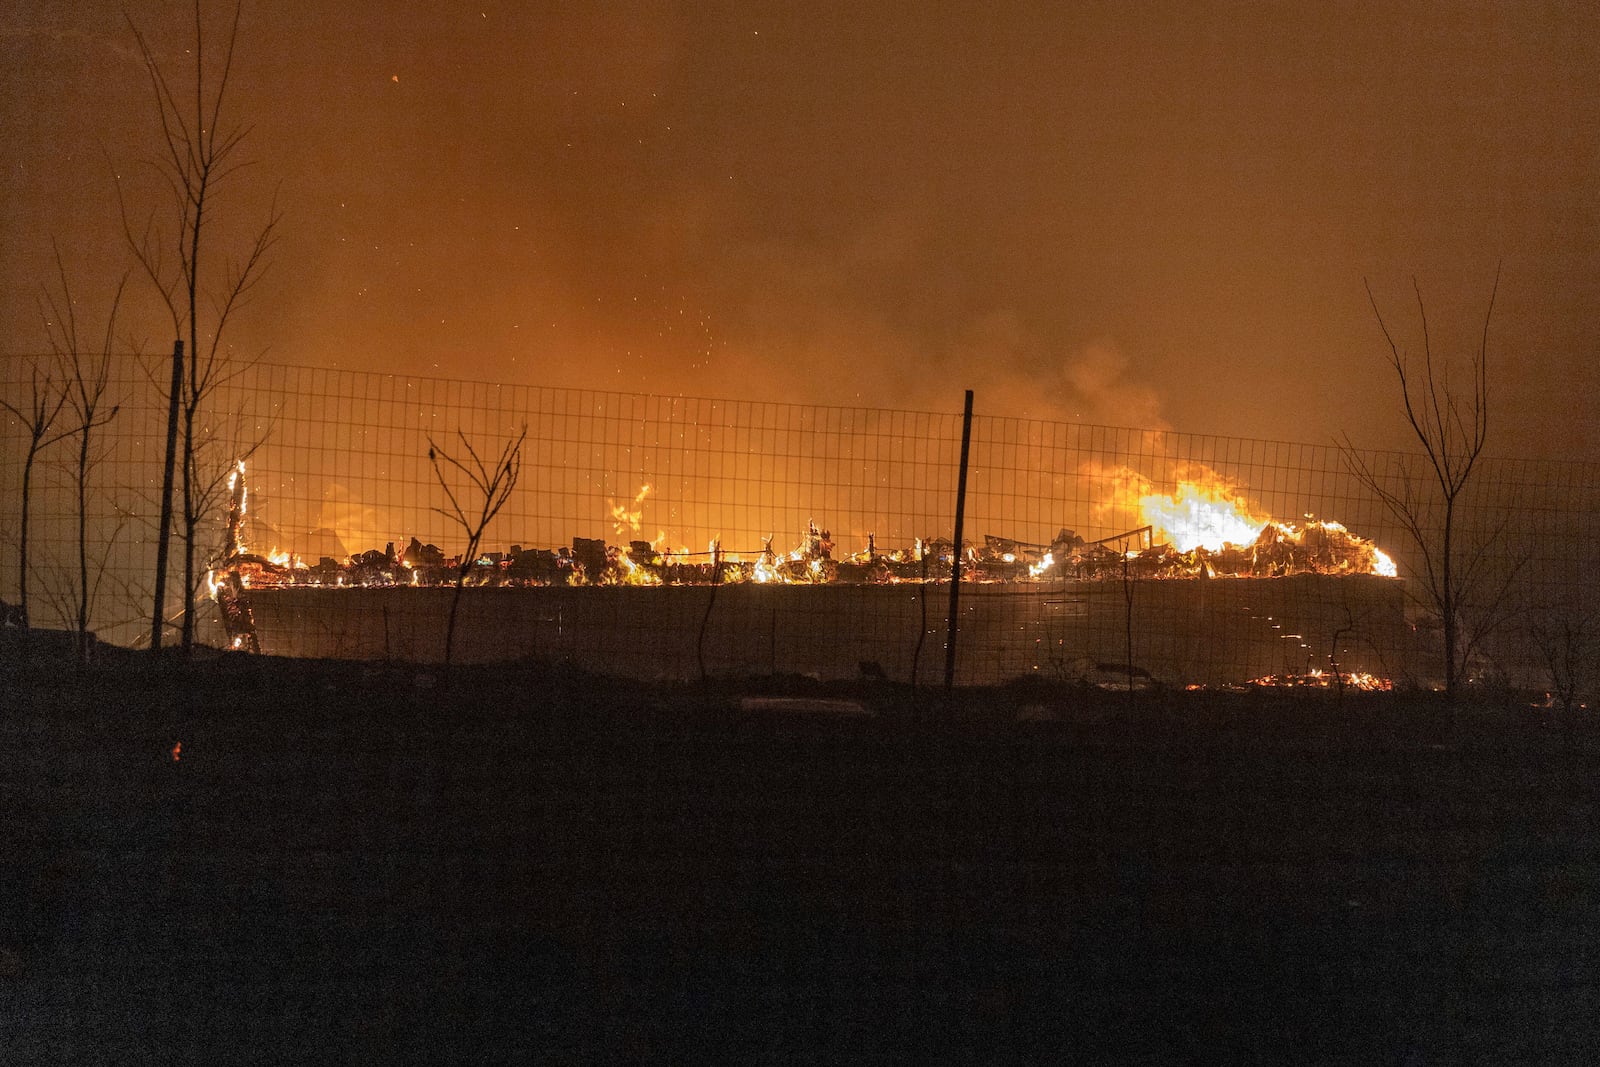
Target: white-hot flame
<point>1201,515</point>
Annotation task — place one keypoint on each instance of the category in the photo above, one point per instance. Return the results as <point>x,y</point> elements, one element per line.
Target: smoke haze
<point>1157,218</point>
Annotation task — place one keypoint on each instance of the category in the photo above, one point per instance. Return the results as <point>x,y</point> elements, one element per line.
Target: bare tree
<point>85,378</point>
<point>1488,600</point>
<point>115,600</point>
<point>1567,643</point>
<point>199,154</point>
<point>1452,429</point>
<point>38,417</point>
<point>474,505</point>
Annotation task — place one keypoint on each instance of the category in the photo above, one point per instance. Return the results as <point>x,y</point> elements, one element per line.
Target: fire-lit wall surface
<point>1213,631</point>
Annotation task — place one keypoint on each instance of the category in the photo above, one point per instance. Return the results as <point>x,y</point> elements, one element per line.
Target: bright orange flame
<point>633,573</point>
<point>625,519</point>
<point>1207,511</point>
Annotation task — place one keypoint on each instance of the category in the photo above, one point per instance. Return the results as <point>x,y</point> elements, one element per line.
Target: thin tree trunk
<point>450,626</point>
<point>22,543</point>
<point>192,400</point>
<point>188,531</point>
<point>1451,673</point>
<point>83,543</point>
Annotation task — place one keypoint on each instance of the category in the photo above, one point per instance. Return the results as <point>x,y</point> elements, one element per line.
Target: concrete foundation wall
<point>1199,631</point>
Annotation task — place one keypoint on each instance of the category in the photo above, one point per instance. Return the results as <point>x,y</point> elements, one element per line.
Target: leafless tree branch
<point>85,379</point>
<point>197,159</point>
<point>492,485</point>
<point>1452,447</point>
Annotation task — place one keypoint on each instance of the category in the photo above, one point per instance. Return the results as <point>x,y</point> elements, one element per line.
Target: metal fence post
<point>164,535</point>
<point>955,568</point>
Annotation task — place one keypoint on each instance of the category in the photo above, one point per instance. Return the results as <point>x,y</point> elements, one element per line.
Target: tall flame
<point>1205,511</point>
<point>626,520</point>
<point>1200,514</point>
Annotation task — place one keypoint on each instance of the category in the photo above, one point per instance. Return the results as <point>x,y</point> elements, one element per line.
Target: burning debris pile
<point>1189,547</point>
<point>1279,550</point>
<point>1316,678</point>
<point>1205,530</point>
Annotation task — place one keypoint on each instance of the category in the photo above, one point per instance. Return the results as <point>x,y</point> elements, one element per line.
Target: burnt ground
<point>356,863</point>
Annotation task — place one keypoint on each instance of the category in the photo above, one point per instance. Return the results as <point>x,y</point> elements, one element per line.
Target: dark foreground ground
<point>350,863</point>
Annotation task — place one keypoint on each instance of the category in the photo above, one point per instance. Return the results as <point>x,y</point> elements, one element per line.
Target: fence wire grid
<point>854,506</point>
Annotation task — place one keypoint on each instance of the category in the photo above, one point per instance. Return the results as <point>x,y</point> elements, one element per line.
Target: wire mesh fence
<point>678,536</point>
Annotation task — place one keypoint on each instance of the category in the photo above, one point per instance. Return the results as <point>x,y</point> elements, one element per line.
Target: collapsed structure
<point>1280,550</point>
<point>1070,606</point>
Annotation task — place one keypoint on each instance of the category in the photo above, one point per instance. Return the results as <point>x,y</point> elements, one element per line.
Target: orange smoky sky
<point>1149,214</point>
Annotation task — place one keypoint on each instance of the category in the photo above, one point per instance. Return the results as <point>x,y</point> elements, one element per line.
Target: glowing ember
<point>1317,678</point>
